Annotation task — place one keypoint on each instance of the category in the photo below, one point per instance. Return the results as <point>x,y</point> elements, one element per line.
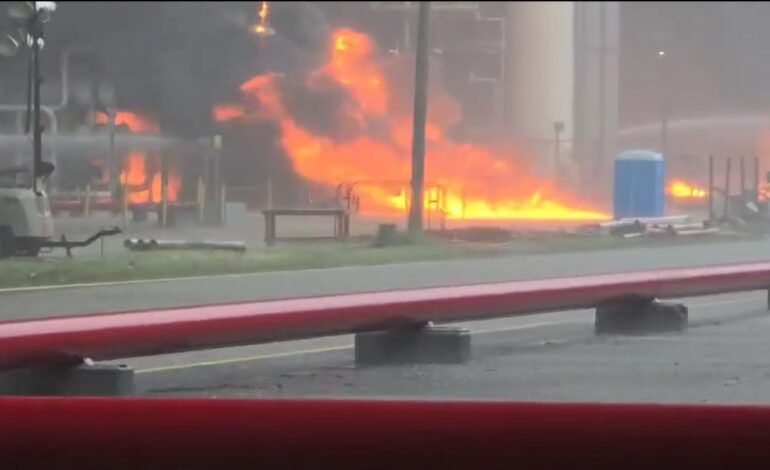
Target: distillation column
<point>541,76</point>
<point>597,33</point>
<point>562,86</point>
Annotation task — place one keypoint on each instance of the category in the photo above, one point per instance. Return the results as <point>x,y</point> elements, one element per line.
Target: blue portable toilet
<point>639,184</point>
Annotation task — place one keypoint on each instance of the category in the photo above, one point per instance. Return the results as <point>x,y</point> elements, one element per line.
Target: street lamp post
<point>31,18</point>
<point>35,29</point>
<point>420,118</point>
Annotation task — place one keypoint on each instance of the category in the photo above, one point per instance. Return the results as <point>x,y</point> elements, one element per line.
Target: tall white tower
<point>541,77</point>
<point>562,67</point>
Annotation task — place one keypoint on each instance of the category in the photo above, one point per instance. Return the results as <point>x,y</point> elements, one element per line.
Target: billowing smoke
<point>174,60</point>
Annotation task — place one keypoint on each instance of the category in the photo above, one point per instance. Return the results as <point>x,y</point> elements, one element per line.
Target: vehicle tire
<point>7,247</point>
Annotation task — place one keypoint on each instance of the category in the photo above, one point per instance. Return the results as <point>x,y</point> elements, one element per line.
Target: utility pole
<point>420,118</point>
<point>36,33</point>
<point>29,18</point>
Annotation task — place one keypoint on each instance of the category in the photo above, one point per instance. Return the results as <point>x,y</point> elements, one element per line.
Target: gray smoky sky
<point>717,58</point>
<point>173,60</point>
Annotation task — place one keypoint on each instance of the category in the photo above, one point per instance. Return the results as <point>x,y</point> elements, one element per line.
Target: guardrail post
<point>201,201</point>
<point>417,344</point>
<point>124,205</point>
<point>87,202</point>
<point>86,379</point>
<point>726,209</point>
<point>640,315</point>
<point>164,192</point>
<point>223,204</point>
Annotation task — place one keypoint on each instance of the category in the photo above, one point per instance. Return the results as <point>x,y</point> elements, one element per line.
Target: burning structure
<point>349,121</point>
<point>341,108</point>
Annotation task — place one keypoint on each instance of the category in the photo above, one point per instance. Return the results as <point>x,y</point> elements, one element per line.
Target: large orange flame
<point>134,121</point>
<point>144,186</point>
<point>477,183</point>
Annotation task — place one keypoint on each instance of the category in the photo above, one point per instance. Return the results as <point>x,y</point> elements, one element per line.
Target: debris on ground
<point>140,244</point>
<point>671,226</point>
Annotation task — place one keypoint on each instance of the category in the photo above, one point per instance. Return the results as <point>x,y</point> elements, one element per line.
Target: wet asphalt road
<point>239,288</point>
<point>722,358</point>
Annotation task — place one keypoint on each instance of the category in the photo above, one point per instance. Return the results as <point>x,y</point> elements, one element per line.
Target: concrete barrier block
<point>83,380</point>
<point>430,344</point>
<point>641,318</point>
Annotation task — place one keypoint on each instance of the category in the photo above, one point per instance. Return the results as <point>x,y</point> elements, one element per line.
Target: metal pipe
<point>223,204</point>
<point>743,180</point>
<point>711,188</point>
<point>62,339</point>
<point>756,178</point>
<point>140,244</point>
<point>727,187</point>
<point>558,127</point>
<point>37,81</point>
<point>87,202</point>
<point>111,165</point>
<point>164,190</point>
<point>124,203</point>
<point>406,27</point>
<point>65,92</point>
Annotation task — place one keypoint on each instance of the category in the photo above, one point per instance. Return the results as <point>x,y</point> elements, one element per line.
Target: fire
<point>685,190</point>
<point>264,10</point>
<point>145,185</point>
<point>263,29</point>
<point>224,113</point>
<point>477,182</point>
<point>135,122</point>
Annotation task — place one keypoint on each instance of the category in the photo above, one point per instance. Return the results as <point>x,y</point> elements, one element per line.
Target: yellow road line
<point>527,326</point>
<point>302,352</point>
<point>235,360</point>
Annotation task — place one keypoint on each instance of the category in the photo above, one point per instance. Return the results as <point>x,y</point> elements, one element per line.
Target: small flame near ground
<point>681,189</point>
<point>475,182</point>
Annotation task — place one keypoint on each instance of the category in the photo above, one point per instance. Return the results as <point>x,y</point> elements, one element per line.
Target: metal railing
<point>121,335</point>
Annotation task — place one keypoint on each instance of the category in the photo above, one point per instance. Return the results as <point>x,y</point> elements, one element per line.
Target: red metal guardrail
<point>297,434</point>
<point>120,335</point>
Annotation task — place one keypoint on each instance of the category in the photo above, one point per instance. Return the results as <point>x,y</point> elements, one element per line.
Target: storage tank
<point>639,186</point>
<point>540,76</point>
